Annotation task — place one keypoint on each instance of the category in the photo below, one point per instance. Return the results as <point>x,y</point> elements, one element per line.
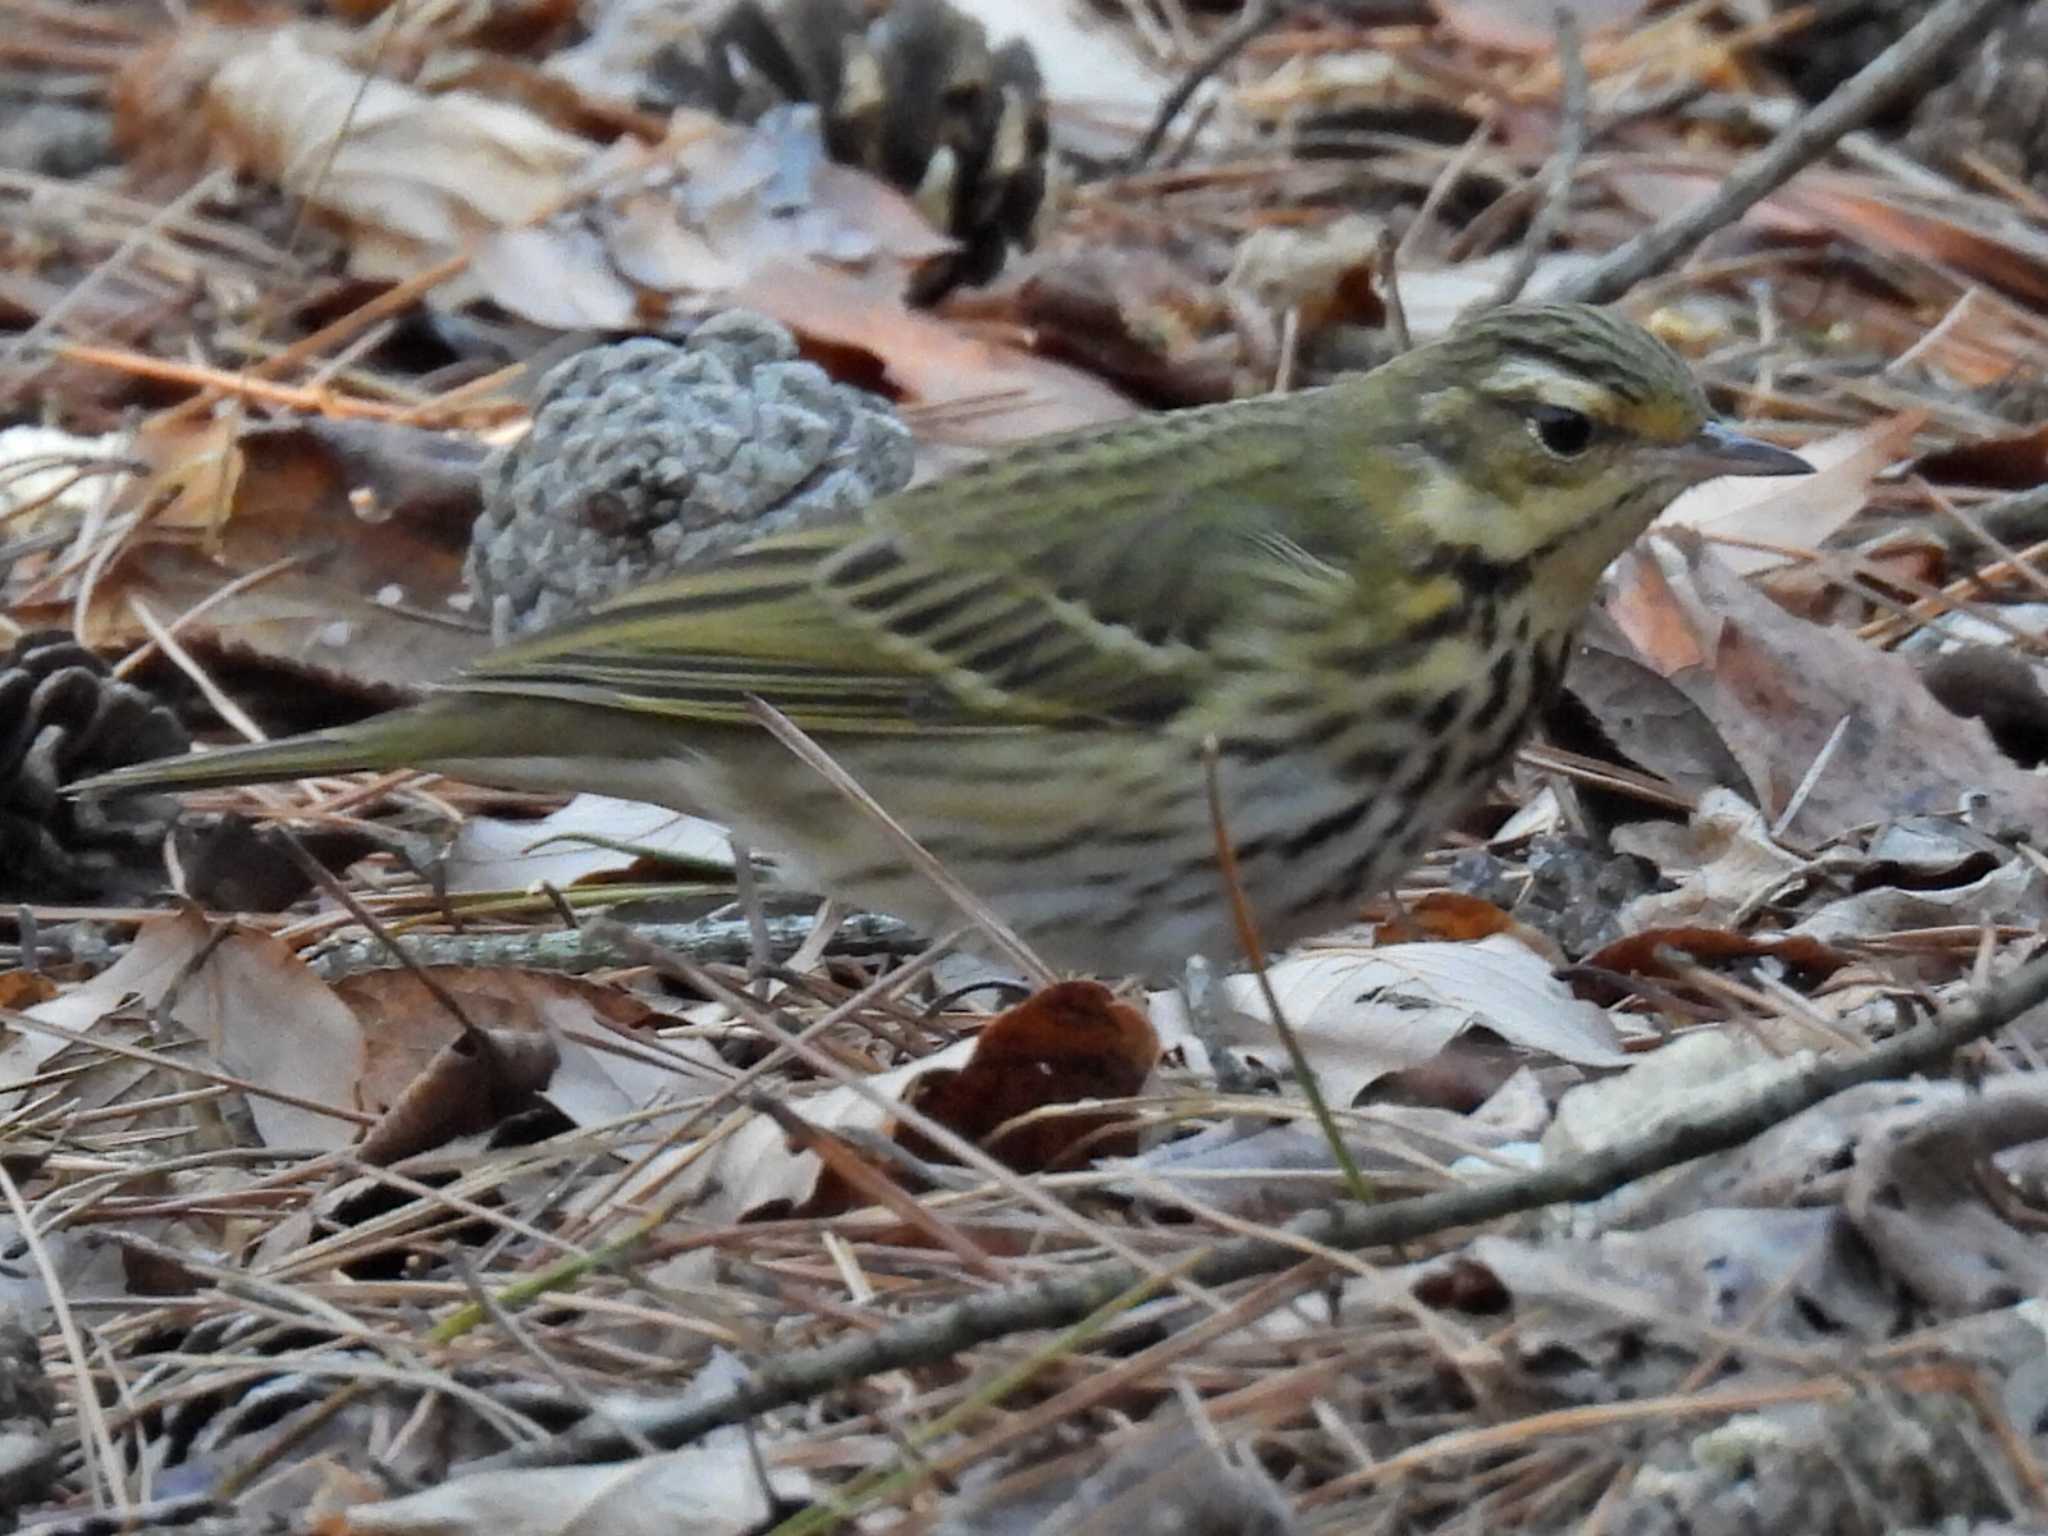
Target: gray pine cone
<point>64,716</point>
<point>646,457</point>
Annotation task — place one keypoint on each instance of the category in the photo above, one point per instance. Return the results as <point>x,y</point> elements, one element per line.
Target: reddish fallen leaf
<point>2015,463</point>
<point>1070,1042</point>
<point>2012,257</point>
<point>1646,611</point>
<point>1642,954</point>
<point>1447,915</point>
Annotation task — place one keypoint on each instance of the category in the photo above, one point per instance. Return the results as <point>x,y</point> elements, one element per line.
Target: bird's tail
<point>408,738</point>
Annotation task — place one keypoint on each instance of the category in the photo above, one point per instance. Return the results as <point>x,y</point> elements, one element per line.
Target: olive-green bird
<point>1362,593</point>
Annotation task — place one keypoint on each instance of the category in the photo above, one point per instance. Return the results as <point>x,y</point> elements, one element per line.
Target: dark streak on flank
<point>865,563</point>
<point>1338,822</point>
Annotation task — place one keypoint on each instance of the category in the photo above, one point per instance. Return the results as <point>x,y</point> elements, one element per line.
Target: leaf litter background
<point>296,1235</point>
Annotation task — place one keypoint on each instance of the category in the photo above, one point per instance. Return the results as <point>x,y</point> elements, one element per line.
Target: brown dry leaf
<point>2014,463</point>
<point>373,520</point>
<point>1070,1042</point>
<point>1448,916</point>
<point>470,1085</point>
<point>1778,690</point>
<point>2012,257</point>
<point>25,989</point>
<point>266,1017</point>
<point>162,949</point>
<point>409,178</point>
<point>1795,512</point>
<point>600,1072</point>
<point>1632,703</point>
<point>1642,954</point>
<point>1362,1013</point>
<point>992,393</point>
<point>1643,608</point>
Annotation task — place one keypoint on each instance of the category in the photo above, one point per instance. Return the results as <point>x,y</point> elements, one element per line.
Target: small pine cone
<point>916,96</point>
<point>646,457</point>
<point>63,716</point>
<point>1996,105</point>
<point>1840,38</point>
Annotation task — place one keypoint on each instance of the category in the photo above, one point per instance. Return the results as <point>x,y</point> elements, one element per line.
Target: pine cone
<point>1994,98</point>
<point>1996,105</point>
<point>64,716</point>
<point>646,456</point>
<point>1841,37</point>
<point>917,97</point>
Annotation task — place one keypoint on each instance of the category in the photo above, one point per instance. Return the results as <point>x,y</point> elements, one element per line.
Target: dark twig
<point>1901,67</point>
<point>326,879</point>
<point>593,947</point>
<point>1257,16</point>
<point>942,1334</point>
<point>1562,170</point>
<point>1390,293</point>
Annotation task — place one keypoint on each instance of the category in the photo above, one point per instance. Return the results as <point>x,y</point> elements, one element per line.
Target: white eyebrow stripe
<point>1528,379</point>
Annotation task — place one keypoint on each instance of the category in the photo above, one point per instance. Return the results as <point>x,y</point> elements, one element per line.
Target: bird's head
<point>1534,428</point>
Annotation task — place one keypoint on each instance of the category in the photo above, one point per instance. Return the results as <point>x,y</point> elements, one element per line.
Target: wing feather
<point>1076,581</point>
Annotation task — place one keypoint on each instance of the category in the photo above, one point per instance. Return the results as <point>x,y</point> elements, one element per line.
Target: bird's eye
<point>1564,431</point>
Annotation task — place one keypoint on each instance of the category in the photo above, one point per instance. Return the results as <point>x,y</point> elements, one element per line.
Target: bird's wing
<point>1076,581</point>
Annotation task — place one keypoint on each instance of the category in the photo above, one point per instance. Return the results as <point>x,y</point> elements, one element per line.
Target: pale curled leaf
<point>591,835</point>
<point>411,177</point>
<point>750,1166</point>
<point>261,1014</point>
<point>1362,1013</point>
<point>708,1490</point>
<point>1830,733</point>
<point>1796,512</point>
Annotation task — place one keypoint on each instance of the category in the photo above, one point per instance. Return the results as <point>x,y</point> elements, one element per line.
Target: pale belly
<point>1120,880</point>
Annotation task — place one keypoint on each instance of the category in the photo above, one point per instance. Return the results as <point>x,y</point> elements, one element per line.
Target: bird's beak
<point>1716,451</point>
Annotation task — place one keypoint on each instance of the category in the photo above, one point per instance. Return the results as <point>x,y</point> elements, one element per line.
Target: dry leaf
<point>410,178</point>
<point>1795,512</point>
<point>1362,1013</point>
<point>266,1017</point>
<point>1785,695</point>
<point>592,835</point>
<point>1529,26</point>
<point>1068,1043</point>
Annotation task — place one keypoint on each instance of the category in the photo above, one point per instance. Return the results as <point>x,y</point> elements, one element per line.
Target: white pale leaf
<point>490,854</point>
<point>1362,1012</point>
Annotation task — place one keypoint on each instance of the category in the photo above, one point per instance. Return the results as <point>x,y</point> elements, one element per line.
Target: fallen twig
<point>709,941</point>
<point>1560,173</point>
<point>1907,63</point>
<point>1258,16</point>
<point>943,1333</point>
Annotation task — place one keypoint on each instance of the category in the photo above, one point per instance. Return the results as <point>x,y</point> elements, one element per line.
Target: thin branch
<point>1900,68</point>
<point>1258,15</point>
<point>1058,1302</point>
<point>708,941</point>
<point>1562,171</point>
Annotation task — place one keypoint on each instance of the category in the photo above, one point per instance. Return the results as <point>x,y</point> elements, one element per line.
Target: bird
<point>1349,602</point>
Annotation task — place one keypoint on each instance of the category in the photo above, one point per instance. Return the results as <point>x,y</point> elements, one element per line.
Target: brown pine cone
<point>64,716</point>
<point>917,96</point>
